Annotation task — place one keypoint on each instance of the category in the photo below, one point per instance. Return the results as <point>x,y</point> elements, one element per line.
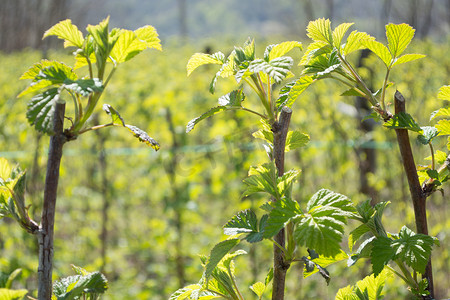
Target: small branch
<point>97,127</point>
<point>417,195</point>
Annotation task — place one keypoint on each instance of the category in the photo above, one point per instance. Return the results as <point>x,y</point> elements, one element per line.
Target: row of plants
<point>196,164</point>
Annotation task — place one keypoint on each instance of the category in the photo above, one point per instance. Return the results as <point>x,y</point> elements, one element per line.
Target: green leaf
<point>290,92</point>
<point>364,251</point>
<point>207,114</point>
<point>443,126</point>
<point>320,30</point>
<point>73,287</point>
<point>338,34</point>
<point>258,288</point>
<point>296,139</point>
<point>284,211</point>
<point>217,253</point>
<point>143,136</point>
<point>407,58</point>
<point>442,112</point>
<point>199,59</point>
<point>41,110</point>
<point>346,293</point>
<point>403,120</point>
<point>232,99</point>
<point>356,234</point>
<point>185,293</point>
<point>399,36</point>
<point>68,32</point>
<point>428,133</point>
<point>277,69</point>
<point>414,249</point>
<point>381,253</point>
<point>84,87</point>
<point>7,294</point>
<point>148,36</point>
<point>262,178</point>
<point>279,50</point>
<point>444,93</point>
<point>246,222</point>
<point>355,42</point>
<point>324,262</point>
<point>137,132</point>
<point>322,227</point>
<point>100,35</point>
<point>379,49</point>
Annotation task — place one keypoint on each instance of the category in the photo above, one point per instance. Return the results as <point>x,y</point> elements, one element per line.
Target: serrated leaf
<point>217,253</point>
<point>296,139</point>
<point>356,234</point>
<point>143,136</point>
<point>346,293</point>
<point>364,251</point>
<point>264,134</point>
<point>325,262</point>
<point>355,42</point>
<point>41,109</point>
<point>149,36</point>
<point>414,249</point>
<point>444,93</point>
<point>7,294</point>
<point>258,288</point>
<point>292,91</point>
<point>245,222</point>
<point>320,30</point>
<point>207,114</point>
<point>184,293</point>
<point>442,112</point>
<point>381,253</point>
<point>281,49</point>
<point>403,120</point>
<point>233,98</point>
<point>284,211</point>
<point>115,116</point>
<point>339,32</point>
<point>199,59</point>
<point>399,36</point>
<point>262,178</point>
<point>68,32</point>
<point>407,58</point>
<point>84,87</point>
<point>277,69</point>
<point>428,133</point>
<point>322,228</point>
<point>313,50</point>
<point>353,92</point>
<point>443,126</point>
<point>100,35</point>
<point>379,49</point>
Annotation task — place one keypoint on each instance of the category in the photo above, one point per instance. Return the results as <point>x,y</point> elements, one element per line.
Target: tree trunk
<point>45,234</point>
<point>280,266</point>
<point>417,194</point>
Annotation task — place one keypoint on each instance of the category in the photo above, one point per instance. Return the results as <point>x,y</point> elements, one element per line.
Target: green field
<point>162,209</point>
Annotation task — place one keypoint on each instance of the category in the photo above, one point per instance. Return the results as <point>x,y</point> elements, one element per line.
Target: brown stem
<point>417,194</point>
<point>280,265</point>
<point>45,234</point>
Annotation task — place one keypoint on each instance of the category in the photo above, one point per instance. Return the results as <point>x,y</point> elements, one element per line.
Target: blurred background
<point>142,217</point>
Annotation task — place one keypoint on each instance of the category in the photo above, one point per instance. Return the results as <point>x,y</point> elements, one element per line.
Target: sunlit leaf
<point>443,126</point>
<point>296,139</point>
<point>262,178</point>
<point>292,91</point>
<point>245,222</point>
<point>207,114</point>
<point>339,32</point>
<point>258,288</point>
<point>320,30</point>
<point>284,211</point>
<point>185,293</point>
<point>355,42</point>
<point>379,49</point>
<point>324,262</point>
<point>115,116</point>
<point>148,36</point>
<point>356,234</point>
<point>322,227</point>
<point>399,36</point>
<point>407,58</point>
<point>444,93</point>
<point>7,294</point>
<point>68,32</point>
<point>441,112</point>
<point>143,137</point>
<point>281,49</point>
<point>277,69</point>
<point>217,253</point>
<point>199,59</point>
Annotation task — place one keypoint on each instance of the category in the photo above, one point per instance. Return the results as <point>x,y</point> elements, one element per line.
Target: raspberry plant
<point>101,51</point>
